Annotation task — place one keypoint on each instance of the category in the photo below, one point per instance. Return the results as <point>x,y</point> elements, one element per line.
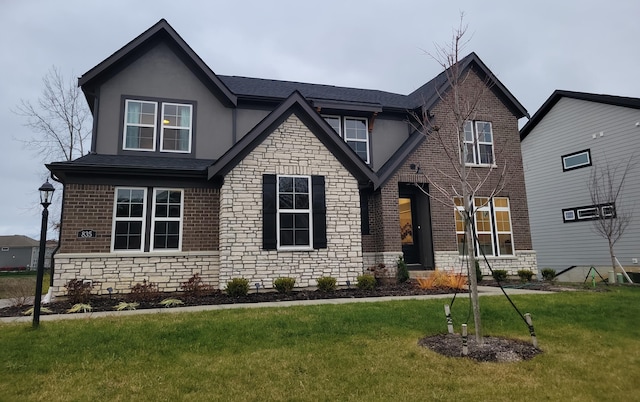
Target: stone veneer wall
<point>524,259</point>
<point>291,149</point>
<point>121,272</point>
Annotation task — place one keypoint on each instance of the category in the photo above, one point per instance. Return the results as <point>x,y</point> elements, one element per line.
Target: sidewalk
<point>483,291</point>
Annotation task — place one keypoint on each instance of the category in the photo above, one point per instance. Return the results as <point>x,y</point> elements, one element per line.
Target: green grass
<point>20,282</point>
<point>591,343</point>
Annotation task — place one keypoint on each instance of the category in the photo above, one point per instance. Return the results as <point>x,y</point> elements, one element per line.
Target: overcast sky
<point>586,45</point>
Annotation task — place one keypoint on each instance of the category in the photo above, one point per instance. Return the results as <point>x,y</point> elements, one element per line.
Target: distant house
<point>229,176</point>
<point>571,134</point>
<point>21,253</point>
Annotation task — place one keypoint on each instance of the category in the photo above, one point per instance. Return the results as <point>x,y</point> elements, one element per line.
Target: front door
<point>408,230</point>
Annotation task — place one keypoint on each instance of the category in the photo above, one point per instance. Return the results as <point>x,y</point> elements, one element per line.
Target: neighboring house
<point>572,134</point>
<point>21,253</point>
<point>229,176</point>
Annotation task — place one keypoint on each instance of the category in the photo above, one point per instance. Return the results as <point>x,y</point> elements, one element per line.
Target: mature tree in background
<point>59,119</point>
<point>60,124</point>
<point>460,102</point>
<point>606,184</point>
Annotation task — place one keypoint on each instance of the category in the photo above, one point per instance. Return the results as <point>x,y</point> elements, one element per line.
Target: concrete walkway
<point>483,290</point>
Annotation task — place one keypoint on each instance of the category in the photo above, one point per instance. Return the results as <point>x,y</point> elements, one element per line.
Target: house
<point>195,172</point>
<point>571,135</point>
<point>19,252</point>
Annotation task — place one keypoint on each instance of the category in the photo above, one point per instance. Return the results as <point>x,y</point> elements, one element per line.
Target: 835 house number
<point>86,234</point>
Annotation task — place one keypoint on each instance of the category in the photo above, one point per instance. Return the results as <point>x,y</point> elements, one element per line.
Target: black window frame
<point>567,169</point>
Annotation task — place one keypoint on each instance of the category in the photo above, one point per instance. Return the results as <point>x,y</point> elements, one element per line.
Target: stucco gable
<point>295,104</point>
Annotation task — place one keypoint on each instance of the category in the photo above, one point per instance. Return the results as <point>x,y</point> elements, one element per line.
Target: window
<point>589,213</point>
<point>167,219</point>
<point>576,160</point>
<point>294,212</point>
<point>130,220</point>
<point>176,127</point>
<point>141,121</point>
<point>5,248</point>
<point>492,223</point>
<point>355,132</point>
<point>140,125</point>
<point>478,143</point>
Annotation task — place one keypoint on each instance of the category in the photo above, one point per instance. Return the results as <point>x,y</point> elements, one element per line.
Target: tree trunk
<point>473,278</point>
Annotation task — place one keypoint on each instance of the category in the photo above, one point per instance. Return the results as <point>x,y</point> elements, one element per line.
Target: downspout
<point>48,298</point>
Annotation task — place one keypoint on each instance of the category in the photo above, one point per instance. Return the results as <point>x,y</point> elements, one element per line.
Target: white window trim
<point>5,248</point>
<point>126,124</point>
<point>366,130</point>
<point>569,215</point>
<point>115,219</point>
<point>166,219</point>
<point>510,232</point>
<point>162,105</point>
<point>330,116</point>
<point>573,155</point>
<point>485,208</point>
<point>476,144</point>
<point>579,213</point>
<point>309,211</point>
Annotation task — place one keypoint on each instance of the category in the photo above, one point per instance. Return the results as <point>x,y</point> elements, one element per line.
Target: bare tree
<point>606,184</point>
<point>460,101</point>
<point>59,119</point>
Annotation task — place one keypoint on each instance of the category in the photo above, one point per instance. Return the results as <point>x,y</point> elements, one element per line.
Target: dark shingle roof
<point>17,241</point>
<point>274,89</point>
<point>142,162</point>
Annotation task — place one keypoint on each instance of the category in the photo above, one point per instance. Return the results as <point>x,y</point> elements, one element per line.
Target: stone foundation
<point>121,272</point>
<point>388,258</point>
<point>524,259</point>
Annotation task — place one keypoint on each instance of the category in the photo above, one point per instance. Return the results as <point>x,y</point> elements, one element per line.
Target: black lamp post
<point>46,193</point>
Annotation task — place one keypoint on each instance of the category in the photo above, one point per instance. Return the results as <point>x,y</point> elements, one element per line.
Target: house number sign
<point>86,234</point>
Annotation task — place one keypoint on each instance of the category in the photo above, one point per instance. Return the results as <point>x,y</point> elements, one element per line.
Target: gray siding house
<point>225,176</point>
<point>572,134</point>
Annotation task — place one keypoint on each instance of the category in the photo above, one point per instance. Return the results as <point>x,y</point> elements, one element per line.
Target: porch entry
<point>415,227</point>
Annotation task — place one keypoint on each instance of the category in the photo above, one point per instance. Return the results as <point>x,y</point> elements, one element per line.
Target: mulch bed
<point>493,349</point>
<point>105,303</point>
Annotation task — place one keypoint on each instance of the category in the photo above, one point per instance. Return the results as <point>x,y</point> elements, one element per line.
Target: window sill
<point>494,257</point>
<point>294,249</point>
<point>481,165</point>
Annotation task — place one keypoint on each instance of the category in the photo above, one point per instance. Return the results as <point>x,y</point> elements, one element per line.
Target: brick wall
<point>290,149</point>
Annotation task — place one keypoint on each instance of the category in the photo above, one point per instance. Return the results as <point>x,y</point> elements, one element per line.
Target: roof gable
<point>161,31</point>
<point>558,94</point>
<point>297,105</point>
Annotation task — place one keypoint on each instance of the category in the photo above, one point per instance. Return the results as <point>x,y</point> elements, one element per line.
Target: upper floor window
<point>478,143</point>
<point>354,131</point>
<point>576,160</point>
<point>142,121</point>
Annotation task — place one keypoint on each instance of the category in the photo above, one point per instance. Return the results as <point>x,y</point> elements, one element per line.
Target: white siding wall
<point>569,127</point>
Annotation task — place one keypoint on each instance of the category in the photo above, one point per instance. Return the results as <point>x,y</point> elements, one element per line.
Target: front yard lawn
<point>367,351</point>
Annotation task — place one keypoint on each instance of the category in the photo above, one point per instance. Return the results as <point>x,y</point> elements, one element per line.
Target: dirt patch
<point>493,349</point>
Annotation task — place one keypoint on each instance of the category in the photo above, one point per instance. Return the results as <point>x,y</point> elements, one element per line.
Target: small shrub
<point>18,292</point>
<point>195,286</point>
<point>548,274</point>
<point>378,271</point>
<point>284,285</point>
<point>525,275</point>
<point>79,291</point>
<point>478,271</point>
<point>326,284</point>
<point>80,307</point>
<point>443,280</point>
<point>125,306</point>
<point>366,282</point>
<point>145,291</point>
<point>237,287</point>
<point>402,273</point>
<point>499,275</point>
<point>171,302</point>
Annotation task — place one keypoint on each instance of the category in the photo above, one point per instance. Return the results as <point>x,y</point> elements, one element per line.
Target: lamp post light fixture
<point>46,194</point>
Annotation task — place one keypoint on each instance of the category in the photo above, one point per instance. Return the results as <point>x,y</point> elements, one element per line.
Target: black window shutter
<point>319,212</point>
<point>269,238</point>
<point>364,213</point>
